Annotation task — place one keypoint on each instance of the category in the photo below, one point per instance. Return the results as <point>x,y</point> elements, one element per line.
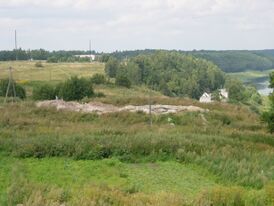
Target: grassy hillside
<point>228,61</point>
<point>48,157</point>
<point>252,76</point>
<point>26,71</point>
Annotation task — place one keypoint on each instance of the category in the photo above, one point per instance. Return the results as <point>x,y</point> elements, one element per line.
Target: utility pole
<point>9,84</point>
<point>90,51</point>
<point>150,109</point>
<point>15,41</point>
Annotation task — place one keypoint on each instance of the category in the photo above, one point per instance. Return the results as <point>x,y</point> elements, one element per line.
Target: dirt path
<point>101,108</point>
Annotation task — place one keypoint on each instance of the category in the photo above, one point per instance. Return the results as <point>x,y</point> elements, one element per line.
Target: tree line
<point>41,54</point>
<point>228,61</point>
<point>172,73</point>
<point>180,75</point>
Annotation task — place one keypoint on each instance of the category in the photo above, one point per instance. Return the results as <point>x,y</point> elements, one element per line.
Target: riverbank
<point>260,79</point>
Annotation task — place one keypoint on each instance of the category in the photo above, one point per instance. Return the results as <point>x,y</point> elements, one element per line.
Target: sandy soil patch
<point>101,108</point>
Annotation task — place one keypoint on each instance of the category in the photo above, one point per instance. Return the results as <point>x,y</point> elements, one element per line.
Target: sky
<point>137,24</point>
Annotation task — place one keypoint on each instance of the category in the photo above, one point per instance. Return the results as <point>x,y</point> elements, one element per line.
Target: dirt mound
<point>101,108</point>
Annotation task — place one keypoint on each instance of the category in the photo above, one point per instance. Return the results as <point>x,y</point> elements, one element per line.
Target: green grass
<point>251,76</point>
<point>25,71</point>
<point>145,177</point>
<point>49,157</point>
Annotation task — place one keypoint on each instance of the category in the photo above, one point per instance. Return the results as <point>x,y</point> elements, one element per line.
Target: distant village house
<point>90,56</point>
<point>207,97</point>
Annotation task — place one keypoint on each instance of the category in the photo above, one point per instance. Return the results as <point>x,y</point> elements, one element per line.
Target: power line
<point>11,82</point>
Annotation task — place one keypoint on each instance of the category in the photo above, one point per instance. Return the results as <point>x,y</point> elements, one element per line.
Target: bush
<point>20,91</point>
<point>52,60</point>
<point>99,94</point>
<point>38,64</point>
<point>75,89</point>
<point>44,92</point>
<point>112,67</point>
<point>123,81</point>
<point>98,79</point>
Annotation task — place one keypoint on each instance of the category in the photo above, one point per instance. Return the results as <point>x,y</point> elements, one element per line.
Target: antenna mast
<point>90,51</point>
<point>15,41</point>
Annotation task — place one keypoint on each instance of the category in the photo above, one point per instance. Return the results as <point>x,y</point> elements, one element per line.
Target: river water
<point>262,85</point>
<point>263,88</point>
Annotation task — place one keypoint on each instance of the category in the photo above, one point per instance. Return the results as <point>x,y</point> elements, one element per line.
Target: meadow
<point>249,76</point>
<point>49,157</point>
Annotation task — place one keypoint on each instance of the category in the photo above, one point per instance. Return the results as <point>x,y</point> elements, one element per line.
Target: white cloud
<point>134,24</point>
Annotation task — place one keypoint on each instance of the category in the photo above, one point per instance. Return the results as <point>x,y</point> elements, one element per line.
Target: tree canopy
<point>173,73</point>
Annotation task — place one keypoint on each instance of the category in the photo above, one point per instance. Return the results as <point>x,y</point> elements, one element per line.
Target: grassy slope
<point>250,76</point>
<point>230,149</point>
<point>143,177</point>
<point>25,71</point>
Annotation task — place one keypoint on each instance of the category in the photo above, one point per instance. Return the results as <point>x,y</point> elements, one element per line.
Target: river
<point>262,85</point>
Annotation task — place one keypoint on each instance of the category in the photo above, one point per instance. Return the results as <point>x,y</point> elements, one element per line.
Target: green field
<point>251,76</point>
<point>48,157</point>
<point>25,71</point>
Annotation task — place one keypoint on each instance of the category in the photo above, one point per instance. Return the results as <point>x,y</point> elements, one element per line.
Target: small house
<point>205,98</point>
<point>223,95</point>
<point>90,56</point>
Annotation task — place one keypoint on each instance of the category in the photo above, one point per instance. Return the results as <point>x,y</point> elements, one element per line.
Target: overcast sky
<point>137,24</point>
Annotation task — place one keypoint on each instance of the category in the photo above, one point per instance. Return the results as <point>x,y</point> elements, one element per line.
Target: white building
<point>91,56</point>
<point>205,98</point>
<point>223,95</point>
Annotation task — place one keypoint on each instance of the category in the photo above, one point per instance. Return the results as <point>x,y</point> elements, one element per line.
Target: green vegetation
<point>232,148</point>
<point>236,61</point>
<point>72,89</point>
<point>25,72</point>
<point>98,79</point>
<point>251,77</point>
<point>122,80</point>
<point>39,64</point>
<point>19,90</point>
<point>75,89</point>
<point>228,61</point>
<point>269,115</point>
<point>44,92</point>
<point>240,93</point>
<point>41,54</point>
<point>171,73</point>
<point>50,157</point>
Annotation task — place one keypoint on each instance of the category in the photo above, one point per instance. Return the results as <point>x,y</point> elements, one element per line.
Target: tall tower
<point>90,51</point>
<point>15,42</point>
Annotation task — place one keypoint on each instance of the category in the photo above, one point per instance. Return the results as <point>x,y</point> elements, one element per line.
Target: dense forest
<point>237,61</point>
<point>228,61</point>
<point>180,75</point>
<point>172,73</point>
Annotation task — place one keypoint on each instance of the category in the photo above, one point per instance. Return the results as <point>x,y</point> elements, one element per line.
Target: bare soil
<point>100,108</point>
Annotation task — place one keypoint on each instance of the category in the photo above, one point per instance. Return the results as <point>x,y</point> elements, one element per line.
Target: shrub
<point>44,92</point>
<point>20,91</point>
<point>111,67</point>
<point>268,116</point>
<point>52,60</point>
<point>38,64</point>
<point>123,81</point>
<point>75,89</point>
<point>99,94</point>
<point>98,79</point>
